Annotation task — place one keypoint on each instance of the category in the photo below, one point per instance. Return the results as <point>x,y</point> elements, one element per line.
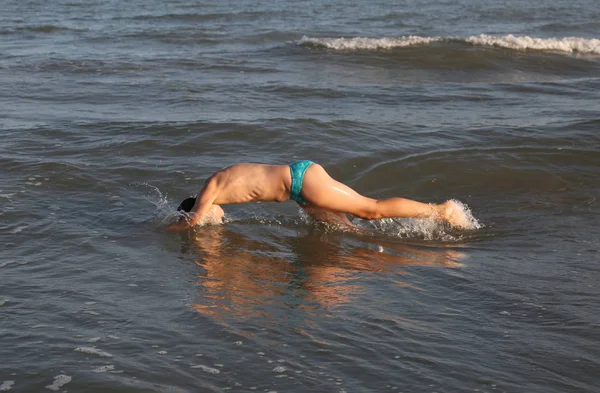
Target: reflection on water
<point>315,271</point>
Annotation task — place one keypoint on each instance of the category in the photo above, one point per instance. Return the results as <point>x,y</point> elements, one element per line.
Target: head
<point>186,205</point>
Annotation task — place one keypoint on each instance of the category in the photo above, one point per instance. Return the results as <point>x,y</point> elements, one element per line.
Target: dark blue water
<point>113,112</point>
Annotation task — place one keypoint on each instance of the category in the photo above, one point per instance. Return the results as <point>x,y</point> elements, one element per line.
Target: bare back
<point>250,183</point>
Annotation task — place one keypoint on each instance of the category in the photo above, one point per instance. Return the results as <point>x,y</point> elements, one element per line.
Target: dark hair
<point>187,204</point>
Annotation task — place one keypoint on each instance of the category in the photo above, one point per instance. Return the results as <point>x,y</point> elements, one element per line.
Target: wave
<point>46,29</point>
<point>577,45</point>
<point>197,17</point>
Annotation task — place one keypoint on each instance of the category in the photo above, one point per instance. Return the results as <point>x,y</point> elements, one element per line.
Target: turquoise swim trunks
<point>297,169</point>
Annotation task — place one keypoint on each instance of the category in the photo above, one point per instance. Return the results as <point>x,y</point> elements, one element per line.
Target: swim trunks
<point>297,169</point>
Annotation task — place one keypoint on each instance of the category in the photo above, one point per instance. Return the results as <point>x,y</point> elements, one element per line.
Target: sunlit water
<point>112,113</point>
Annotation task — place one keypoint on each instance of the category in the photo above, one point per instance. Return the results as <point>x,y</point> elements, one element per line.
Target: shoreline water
<point>112,113</point>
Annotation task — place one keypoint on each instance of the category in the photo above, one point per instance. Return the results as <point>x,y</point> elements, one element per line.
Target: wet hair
<point>186,205</point>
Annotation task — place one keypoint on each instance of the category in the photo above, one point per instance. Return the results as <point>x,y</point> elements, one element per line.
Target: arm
<point>203,205</point>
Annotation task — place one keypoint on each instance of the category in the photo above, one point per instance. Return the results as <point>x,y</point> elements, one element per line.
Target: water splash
<point>165,212</point>
<point>463,217</point>
<point>430,228</point>
<point>409,228</point>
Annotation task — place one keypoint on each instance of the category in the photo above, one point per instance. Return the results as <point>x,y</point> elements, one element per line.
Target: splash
<point>410,228</point>
<point>462,217</point>
<point>589,46</point>
<point>161,202</point>
<point>424,228</point>
<point>166,211</point>
<point>431,228</point>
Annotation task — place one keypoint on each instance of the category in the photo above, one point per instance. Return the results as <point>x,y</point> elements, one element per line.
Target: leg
<point>328,216</point>
<point>320,189</point>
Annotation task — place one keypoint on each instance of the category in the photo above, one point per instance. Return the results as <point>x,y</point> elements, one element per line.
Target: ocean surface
<point>112,112</point>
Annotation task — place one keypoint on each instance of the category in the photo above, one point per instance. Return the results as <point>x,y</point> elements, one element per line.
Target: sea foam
<point>206,369</point>
<point>590,46</point>
<point>93,351</point>
<point>59,381</point>
<point>103,369</point>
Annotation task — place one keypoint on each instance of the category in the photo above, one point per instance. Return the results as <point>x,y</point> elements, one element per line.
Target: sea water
<point>113,112</point>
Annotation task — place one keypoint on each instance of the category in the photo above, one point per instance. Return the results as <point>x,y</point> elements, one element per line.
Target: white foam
<point>93,351</point>
<point>207,369</point>
<point>565,44</point>
<point>423,228</point>
<point>429,228</point>
<point>463,217</point>
<point>6,385</point>
<point>368,43</point>
<point>19,229</point>
<point>279,369</point>
<point>59,381</point>
<point>103,369</point>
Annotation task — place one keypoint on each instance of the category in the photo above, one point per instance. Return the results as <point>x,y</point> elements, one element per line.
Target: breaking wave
<point>574,45</point>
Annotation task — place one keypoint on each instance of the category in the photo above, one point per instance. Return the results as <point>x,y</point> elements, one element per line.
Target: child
<point>307,183</point>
